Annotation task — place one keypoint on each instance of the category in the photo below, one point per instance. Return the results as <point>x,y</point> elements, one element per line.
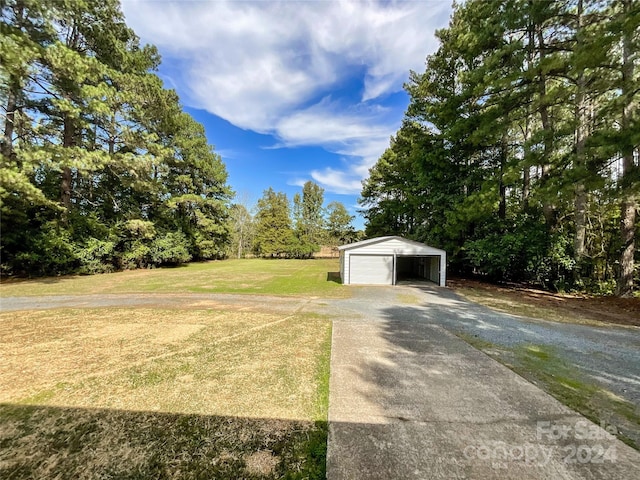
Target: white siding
<point>397,246</point>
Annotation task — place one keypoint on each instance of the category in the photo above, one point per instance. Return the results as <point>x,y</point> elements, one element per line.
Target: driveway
<point>409,399</point>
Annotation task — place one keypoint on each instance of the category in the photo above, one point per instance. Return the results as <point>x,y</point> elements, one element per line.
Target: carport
<point>387,260</point>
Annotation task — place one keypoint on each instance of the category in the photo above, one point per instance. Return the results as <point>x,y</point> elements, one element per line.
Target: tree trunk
<point>629,204</point>
<point>7,140</point>
<point>66,184</point>
<point>526,169</point>
<point>580,200</point>
<point>502,188</point>
<point>627,235</point>
<point>547,206</point>
<point>68,134</point>
<point>13,94</point>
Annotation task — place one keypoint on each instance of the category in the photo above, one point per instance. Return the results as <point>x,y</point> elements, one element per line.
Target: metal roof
<point>371,241</point>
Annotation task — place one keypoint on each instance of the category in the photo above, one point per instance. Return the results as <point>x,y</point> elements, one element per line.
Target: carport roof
<point>371,241</point>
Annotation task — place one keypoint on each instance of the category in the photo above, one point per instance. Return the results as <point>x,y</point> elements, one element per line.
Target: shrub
<point>96,256</point>
<point>50,252</point>
<point>170,249</point>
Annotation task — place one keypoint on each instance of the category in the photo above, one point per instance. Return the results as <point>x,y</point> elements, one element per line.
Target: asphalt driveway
<point>409,399</point>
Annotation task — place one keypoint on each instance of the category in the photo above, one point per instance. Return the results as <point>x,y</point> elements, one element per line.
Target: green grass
<point>543,366</point>
<point>250,276</point>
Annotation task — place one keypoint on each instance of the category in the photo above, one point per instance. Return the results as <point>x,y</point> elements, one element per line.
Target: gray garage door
<point>371,269</point>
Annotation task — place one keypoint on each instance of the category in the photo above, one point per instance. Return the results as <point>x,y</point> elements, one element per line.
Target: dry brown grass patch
<point>192,392</point>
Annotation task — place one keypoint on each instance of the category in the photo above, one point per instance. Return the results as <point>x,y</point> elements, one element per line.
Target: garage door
<point>371,269</point>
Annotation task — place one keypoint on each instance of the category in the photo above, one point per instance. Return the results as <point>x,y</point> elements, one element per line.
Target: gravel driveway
<point>609,355</point>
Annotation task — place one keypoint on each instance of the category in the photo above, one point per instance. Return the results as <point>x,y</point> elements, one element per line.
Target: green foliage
<point>517,254</point>
<point>136,255</point>
<point>93,144</point>
<point>170,249</point>
<point>272,232</point>
<point>308,216</point>
<point>96,256</point>
<point>274,236</point>
<point>49,252</point>
<point>340,230</point>
<point>517,151</point>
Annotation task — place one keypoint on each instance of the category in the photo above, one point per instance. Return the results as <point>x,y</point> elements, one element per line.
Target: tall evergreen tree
<point>274,236</point>
<point>511,139</point>
<point>101,169</point>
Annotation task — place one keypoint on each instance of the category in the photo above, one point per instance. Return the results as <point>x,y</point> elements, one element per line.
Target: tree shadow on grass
<point>334,277</point>
<point>78,443</point>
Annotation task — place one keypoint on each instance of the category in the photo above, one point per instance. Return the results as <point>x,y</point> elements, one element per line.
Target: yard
<point>164,380</point>
<point>255,276</point>
<point>237,390</point>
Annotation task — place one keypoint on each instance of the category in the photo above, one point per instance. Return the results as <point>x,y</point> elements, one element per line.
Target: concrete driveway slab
<point>408,399</point>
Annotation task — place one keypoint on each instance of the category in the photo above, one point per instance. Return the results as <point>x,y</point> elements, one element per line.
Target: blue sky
<point>290,91</point>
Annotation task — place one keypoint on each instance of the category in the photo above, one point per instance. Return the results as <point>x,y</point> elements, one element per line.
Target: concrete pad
<point>410,400</point>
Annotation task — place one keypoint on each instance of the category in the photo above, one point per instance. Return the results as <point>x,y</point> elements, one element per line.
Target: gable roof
<point>372,241</point>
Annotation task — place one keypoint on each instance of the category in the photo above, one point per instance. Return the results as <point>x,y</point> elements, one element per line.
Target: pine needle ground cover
<point>238,392</point>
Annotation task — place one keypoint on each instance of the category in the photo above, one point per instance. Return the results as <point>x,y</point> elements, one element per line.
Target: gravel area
<point>609,355</point>
<point>277,304</point>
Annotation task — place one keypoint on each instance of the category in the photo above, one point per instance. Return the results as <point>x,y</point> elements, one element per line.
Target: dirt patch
<point>528,301</point>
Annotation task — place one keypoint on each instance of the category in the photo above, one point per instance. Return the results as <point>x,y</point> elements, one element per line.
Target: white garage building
<point>386,260</point>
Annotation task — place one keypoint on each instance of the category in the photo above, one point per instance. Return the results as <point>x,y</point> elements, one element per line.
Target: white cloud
<point>339,181</point>
<point>260,64</point>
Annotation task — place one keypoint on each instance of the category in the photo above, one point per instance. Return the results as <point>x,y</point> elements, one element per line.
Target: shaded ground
<point>536,303</point>
<point>594,369</point>
<point>44,442</point>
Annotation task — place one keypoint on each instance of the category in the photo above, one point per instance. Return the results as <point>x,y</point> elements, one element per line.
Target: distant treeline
<point>102,170</point>
<point>519,150</point>
<point>278,231</point>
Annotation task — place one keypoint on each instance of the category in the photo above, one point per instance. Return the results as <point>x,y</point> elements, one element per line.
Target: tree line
<point>279,229</point>
<point>101,169</point>
<point>519,150</point>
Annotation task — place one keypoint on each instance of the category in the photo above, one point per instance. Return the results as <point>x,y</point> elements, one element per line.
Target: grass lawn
<point>159,393</point>
<point>251,276</point>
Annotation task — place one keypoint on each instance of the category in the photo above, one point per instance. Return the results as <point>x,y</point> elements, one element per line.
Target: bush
<point>137,255</point>
<point>96,256</point>
<point>513,254</point>
<point>50,252</point>
<point>301,248</point>
<point>170,249</point>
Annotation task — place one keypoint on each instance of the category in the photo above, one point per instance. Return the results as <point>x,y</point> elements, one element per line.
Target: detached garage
<point>387,260</point>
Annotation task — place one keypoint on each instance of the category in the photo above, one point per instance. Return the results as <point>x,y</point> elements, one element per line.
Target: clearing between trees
<point>235,390</point>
